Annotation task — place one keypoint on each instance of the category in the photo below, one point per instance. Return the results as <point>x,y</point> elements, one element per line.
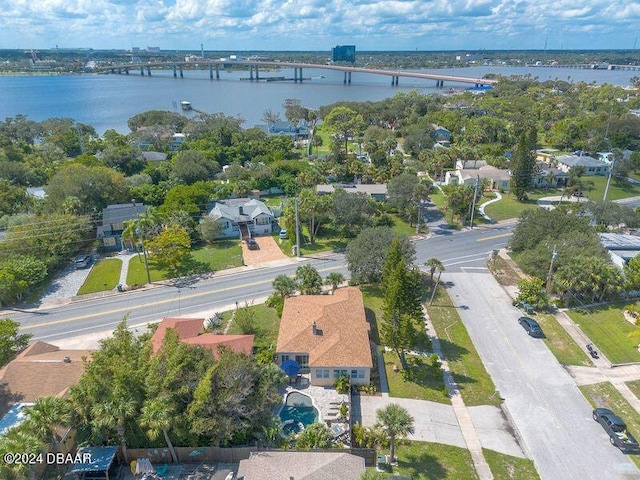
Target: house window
<point>303,360</point>
<point>360,373</point>
<point>339,373</point>
<point>354,373</point>
<point>263,220</point>
<point>284,358</point>
<point>322,373</point>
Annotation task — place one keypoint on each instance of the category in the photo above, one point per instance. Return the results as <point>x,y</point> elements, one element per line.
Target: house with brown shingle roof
<point>192,331</point>
<point>328,335</point>
<point>40,370</point>
<point>301,466</point>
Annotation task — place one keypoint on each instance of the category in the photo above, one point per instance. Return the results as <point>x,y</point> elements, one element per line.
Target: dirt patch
<point>268,252</point>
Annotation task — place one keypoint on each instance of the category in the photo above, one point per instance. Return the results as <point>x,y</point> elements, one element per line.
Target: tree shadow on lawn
<point>420,463</point>
<point>452,352</point>
<point>420,371</point>
<point>371,318</point>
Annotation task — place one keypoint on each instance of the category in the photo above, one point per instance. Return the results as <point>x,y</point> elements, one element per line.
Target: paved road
<point>54,322</point>
<point>552,416</point>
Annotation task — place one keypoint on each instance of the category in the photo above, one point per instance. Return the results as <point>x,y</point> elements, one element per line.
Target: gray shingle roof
<point>585,161</point>
<point>301,466</point>
<point>230,209</point>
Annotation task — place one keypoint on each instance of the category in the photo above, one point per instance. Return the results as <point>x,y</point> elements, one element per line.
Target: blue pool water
<point>297,412</point>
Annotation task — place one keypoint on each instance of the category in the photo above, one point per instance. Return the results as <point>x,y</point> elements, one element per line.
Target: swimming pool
<point>297,412</point>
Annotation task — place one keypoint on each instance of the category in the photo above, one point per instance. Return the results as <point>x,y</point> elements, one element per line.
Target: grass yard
<point>402,227</point>
<point>617,190</point>
<point>265,324</point>
<point>605,395</point>
<point>372,298</point>
<point>506,467</point>
<point>104,275</point>
<point>420,381</point>
<point>222,254</point>
<point>509,207</point>
<point>328,239</point>
<point>560,342</point>
<point>136,273</point>
<point>428,461</point>
<point>503,271</point>
<point>472,378</point>
<point>609,331</point>
<point>635,387</point>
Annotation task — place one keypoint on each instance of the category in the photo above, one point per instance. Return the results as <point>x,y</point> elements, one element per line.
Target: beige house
<point>328,335</point>
<point>497,178</point>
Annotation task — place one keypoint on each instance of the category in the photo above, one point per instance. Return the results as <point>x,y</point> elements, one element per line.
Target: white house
<point>242,218</point>
<point>590,164</point>
<point>498,178</point>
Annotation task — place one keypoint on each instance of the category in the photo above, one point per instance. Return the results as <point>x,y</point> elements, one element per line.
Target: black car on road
<point>531,327</point>
<point>615,427</point>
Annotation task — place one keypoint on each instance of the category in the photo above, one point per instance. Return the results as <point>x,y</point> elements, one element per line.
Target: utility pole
<point>554,255</point>
<point>475,194</point>
<point>606,189</point>
<point>144,250</point>
<point>297,231</point>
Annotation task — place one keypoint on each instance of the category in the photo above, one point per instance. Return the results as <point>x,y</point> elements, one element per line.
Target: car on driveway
<point>283,235</point>
<point>84,261</point>
<point>531,327</point>
<point>252,244</point>
<point>615,427</point>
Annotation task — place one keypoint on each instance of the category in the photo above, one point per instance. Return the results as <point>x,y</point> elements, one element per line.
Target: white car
<point>283,235</point>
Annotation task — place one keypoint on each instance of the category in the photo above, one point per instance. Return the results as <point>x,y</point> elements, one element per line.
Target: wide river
<point>108,101</point>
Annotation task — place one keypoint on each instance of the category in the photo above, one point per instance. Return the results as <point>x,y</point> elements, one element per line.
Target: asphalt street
<point>455,249</point>
<point>551,415</point>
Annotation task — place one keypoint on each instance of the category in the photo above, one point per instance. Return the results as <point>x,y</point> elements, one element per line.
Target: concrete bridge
<point>591,66</point>
<point>215,66</point>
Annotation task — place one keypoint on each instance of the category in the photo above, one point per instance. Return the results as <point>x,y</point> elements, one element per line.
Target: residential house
<point>497,178</point>
<point>377,191</point>
<point>470,164</point>
<point>40,370</point>
<point>151,156</point>
<point>547,176</point>
<point>590,164</point>
<point>620,246</point>
<point>192,331</point>
<point>177,139</point>
<point>242,217</point>
<point>295,132</point>
<point>328,335</point>
<point>440,135</point>
<point>113,218</point>
<point>546,155</point>
<point>301,465</point>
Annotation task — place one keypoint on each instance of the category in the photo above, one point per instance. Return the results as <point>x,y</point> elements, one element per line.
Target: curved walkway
<point>482,207</point>
<point>548,202</point>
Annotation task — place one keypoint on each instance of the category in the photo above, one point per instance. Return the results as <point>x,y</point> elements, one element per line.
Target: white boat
<point>185,105</point>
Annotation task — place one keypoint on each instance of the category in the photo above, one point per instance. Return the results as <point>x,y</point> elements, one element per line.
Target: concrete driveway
<point>436,422</point>
<point>268,252</point>
<point>552,417</point>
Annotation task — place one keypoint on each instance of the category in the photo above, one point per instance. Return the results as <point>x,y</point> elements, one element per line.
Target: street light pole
<point>144,250</point>
<point>297,231</point>
<point>606,189</point>
<point>554,255</point>
<point>475,194</point>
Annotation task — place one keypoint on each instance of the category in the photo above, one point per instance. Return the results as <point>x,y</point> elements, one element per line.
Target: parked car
<point>84,261</point>
<point>527,307</point>
<point>531,327</point>
<point>283,235</point>
<point>252,244</point>
<point>615,427</point>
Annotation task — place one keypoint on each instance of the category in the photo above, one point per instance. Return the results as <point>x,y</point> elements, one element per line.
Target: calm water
<point>108,101</point>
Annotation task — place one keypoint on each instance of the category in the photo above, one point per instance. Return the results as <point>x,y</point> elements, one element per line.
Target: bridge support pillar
<point>251,72</point>
<point>210,72</point>
<point>149,71</point>
<point>300,74</point>
<point>175,72</point>
<point>257,74</point>
<point>126,70</point>
<point>142,71</point>
<point>349,78</point>
<point>217,71</point>
<point>345,78</point>
<point>394,80</point>
<point>181,72</point>
<point>119,71</point>
<point>295,74</point>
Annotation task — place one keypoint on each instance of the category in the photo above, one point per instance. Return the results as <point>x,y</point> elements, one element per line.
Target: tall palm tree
<point>434,265</point>
<point>19,440</point>
<point>157,416</point>
<point>334,279</point>
<point>395,421</point>
<point>113,414</point>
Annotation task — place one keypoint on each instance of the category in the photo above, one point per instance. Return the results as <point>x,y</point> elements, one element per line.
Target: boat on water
<point>185,105</point>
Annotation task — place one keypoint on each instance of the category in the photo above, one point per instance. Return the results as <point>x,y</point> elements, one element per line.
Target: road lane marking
<point>493,237</point>
<point>158,302</point>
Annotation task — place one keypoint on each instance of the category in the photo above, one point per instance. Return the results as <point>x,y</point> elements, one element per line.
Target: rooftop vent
<point>66,359</point>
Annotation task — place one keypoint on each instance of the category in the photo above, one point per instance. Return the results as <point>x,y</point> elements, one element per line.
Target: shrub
<point>343,385</point>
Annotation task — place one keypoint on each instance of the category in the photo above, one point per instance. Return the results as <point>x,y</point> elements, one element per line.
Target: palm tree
<point>157,416</point>
<point>44,416</point>
<point>113,414</point>
<point>395,421</point>
<point>334,279</point>
<point>434,264</point>
<point>19,439</point>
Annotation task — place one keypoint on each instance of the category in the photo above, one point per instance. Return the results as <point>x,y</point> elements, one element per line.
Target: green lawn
<point>328,239</point>
<point>509,207</point>
<point>617,190</point>
<point>609,331</point>
<point>104,275</point>
<point>560,342</point>
<point>419,381</point>
<point>265,325</point>
<point>136,273</point>
<point>402,227</point>
<point>635,387</point>
<point>605,395</point>
<point>472,379</point>
<point>506,467</point>
<point>222,254</point>
<point>428,461</point>
<point>372,298</point>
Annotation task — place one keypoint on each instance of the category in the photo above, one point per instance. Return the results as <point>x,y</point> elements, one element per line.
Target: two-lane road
<point>454,249</point>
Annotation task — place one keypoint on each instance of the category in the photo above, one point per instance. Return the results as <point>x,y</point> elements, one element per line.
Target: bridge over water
<point>255,66</point>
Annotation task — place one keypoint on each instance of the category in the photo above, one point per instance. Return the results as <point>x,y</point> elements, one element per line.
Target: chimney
<point>314,328</point>
<point>240,211</point>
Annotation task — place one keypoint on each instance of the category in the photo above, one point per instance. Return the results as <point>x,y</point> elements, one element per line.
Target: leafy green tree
<point>395,421</point>
<point>352,211</point>
<point>126,159</point>
<point>18,273</point>
<point>345,124</point>
<point>308,280</point>
<point>210,229</point>
<point>532,291</point>
<point>13,198</point>
<point>11,341</point>
<point>191,166</point>
<point>171,120</point>
<point>157,416</point>
<point>44,417</point>
<point>459,200</point>
<point>284,286</point>
<point>19,440</point>
<point>170,249</point>
<point>523,164</point>
<point>316,435</point>
<point>632,274</point>
<point>367,253</point>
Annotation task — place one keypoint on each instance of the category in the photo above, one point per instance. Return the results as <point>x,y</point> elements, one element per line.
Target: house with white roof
<point>242,218</point>
<point>590,164</point>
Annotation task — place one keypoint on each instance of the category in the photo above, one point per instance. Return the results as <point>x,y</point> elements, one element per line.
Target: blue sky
<point>237,25</point>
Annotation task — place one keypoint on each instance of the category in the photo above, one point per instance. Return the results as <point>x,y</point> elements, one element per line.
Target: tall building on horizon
<point>344,53</point>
